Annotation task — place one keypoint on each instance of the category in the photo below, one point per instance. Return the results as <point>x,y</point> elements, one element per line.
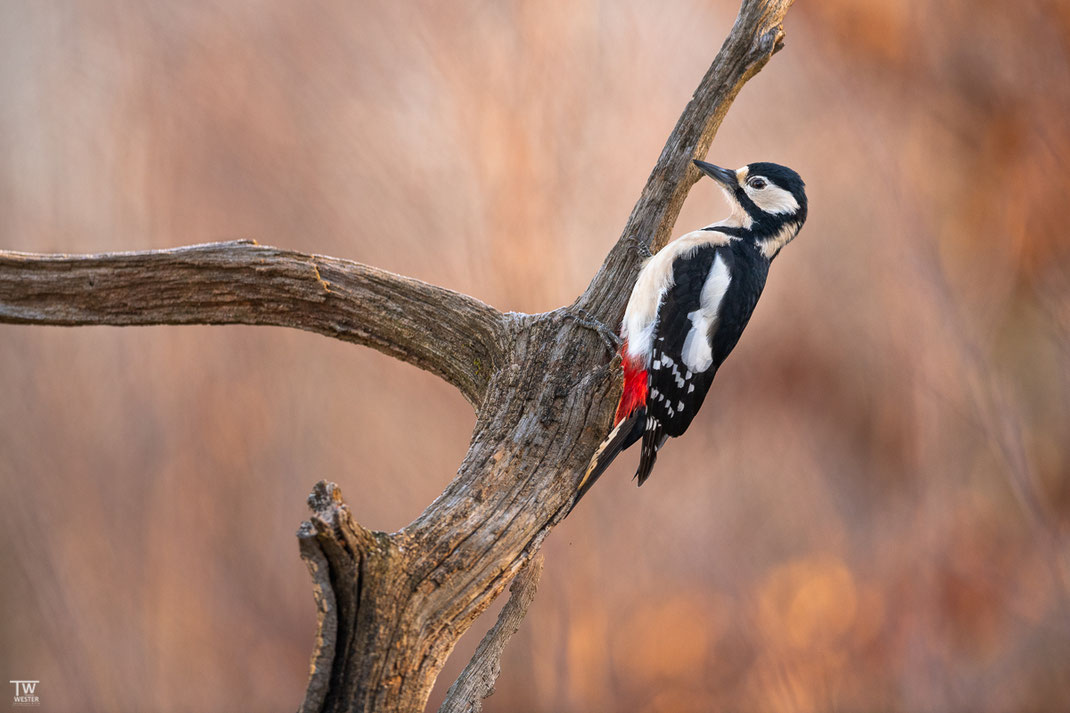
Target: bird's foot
<point>643,249</point>
<point>609,337</point>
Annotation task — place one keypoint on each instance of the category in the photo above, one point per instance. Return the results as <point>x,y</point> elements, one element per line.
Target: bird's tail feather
<point>653,439</point>
<point>627,432</point>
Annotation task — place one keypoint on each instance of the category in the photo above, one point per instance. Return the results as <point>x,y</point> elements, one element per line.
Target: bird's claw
<point>609,337</point>
<point>643,249</point>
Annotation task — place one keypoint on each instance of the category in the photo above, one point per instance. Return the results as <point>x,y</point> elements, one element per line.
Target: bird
<point>689,306</point>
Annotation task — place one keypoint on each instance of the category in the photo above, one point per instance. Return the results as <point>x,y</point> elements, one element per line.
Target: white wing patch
<point>655,279</point>
<point>696,353</point>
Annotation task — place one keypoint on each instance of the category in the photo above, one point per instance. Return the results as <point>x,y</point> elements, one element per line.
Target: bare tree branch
<point>756,35</point>
<point>476,681</point>
<point>391,607</point>
<point>449,334</point>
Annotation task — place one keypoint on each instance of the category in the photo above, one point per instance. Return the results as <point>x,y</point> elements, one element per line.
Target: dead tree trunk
<point>392,606</point>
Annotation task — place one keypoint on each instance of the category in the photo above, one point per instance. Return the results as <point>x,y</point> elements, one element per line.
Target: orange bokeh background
<point>871,513</point>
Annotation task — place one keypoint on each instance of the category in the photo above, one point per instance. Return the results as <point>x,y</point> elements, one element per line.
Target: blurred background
<point>873,511</point>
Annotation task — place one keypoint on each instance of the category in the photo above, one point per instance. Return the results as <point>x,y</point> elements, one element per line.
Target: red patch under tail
<point>635,386</point>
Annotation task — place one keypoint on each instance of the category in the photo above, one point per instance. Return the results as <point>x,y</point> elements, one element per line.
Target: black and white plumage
<point>690,305</point>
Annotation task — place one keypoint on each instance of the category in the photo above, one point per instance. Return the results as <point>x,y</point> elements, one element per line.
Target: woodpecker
<point>689,307</point>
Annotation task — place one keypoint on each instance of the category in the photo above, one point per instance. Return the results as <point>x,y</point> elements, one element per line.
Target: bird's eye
<point>757,183</point>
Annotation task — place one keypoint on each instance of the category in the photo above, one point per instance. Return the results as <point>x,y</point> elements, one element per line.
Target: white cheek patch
<point>697,354</point>
<point>773,199</point>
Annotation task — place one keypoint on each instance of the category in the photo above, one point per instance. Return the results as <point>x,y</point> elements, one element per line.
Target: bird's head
<point>768,202</point>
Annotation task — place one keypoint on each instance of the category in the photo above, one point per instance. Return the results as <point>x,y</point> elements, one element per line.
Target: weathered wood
<point>391,607</point>
<point>476,681</point>
<point>545,412</point>
<point>447,333</point>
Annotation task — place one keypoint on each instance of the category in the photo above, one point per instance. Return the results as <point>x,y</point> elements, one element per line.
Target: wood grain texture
<point>476,681</point>
<point>391,607</point>
<point>449,334</point>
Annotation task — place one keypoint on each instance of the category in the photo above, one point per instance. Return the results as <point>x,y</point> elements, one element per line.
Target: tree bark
<point>392,606</point>
<point>449,334</point>
<point>476,682</point>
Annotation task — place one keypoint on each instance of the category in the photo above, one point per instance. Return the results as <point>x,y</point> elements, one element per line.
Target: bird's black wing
<point>725,281</point>
<point>676,391</point>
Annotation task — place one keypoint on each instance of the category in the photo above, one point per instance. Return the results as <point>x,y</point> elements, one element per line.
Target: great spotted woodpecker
<point>689,307</point>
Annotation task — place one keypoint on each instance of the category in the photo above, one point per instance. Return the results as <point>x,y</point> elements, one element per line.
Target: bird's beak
<point>724,176</point>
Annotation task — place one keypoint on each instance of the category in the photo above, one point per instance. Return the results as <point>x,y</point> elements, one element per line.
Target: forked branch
<point>392,606</point>
<point>544,414</point>
<point>476,681</point>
